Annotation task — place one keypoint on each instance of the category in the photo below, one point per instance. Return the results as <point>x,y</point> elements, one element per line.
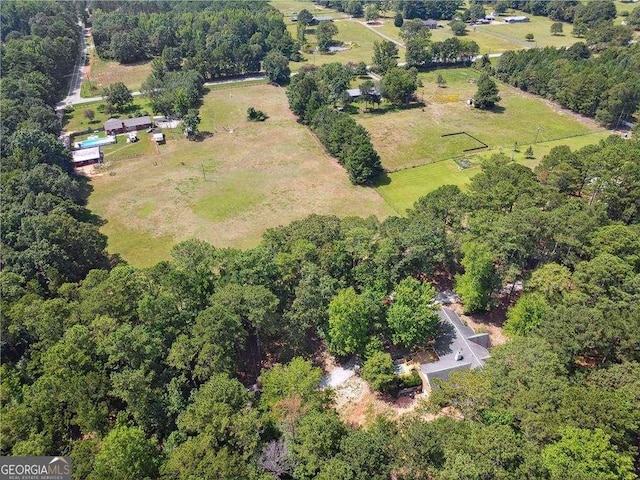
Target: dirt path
<point>380,34</point>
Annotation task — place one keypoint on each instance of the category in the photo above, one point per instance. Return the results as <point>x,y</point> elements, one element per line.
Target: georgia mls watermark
<point>35,468</point>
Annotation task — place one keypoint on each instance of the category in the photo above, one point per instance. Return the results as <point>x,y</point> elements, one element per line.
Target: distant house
<point>519,19</point>
<point>321,18</point>
<point>114,126</point>
<point>355,93</point>
<point>490,17</point>
<point>429,23</point>
<point>88,156</point>
<point>458,348</point>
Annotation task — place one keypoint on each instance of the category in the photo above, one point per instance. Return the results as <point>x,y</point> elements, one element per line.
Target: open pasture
<point>413,136</point>
<point>355,37</point>
<point>240,180</point>
<point>401,189</point>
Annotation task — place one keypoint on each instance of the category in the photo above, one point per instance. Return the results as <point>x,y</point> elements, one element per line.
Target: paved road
<point>76,77</point>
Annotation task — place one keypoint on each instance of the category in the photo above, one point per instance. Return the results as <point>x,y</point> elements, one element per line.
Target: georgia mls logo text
<point>35,468</point>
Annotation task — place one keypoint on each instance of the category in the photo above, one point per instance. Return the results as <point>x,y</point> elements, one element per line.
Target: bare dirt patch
<point>490,322</point>
<point>359,406</point>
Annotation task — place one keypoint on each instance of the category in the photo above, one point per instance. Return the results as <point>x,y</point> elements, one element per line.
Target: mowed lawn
<point>414,136</point>
<point>401,189</point>
<point>227,189</point>
<point>354,36</point>
<point>500,37</point>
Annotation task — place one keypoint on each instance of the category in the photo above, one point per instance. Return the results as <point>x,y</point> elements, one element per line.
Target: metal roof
<point>92,153</point>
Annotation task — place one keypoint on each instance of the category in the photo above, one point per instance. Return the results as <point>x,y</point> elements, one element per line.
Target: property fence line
<point>491,148</point>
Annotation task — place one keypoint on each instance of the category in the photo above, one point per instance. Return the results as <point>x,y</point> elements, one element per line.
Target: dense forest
<point>218,40</point>
<point>144,373</point>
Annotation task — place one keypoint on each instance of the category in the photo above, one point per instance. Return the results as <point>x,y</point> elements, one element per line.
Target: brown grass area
<point>230,187</point>
<point>105,72</point>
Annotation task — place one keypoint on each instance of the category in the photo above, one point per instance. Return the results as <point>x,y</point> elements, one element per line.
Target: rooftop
<point>457,347</point>
<point>128,122</point>
<point>86,154</point>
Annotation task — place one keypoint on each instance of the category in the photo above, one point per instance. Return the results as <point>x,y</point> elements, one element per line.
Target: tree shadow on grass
<point>201,136</point>
<point>381,180</point>
<point>393,108</point>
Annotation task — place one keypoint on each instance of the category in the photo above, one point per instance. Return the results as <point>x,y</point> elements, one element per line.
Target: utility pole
<point>537,132</point>
<point>204,174</point>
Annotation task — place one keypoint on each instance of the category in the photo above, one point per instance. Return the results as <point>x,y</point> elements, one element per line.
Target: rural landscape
<point>333,240</point>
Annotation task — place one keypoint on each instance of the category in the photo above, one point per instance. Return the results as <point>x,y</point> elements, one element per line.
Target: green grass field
<point>401,189</point>
<point>538,26</point>
<point>351,34</point>
<point>498,38</point>
<point>228,188</point>
<point>410,137</point>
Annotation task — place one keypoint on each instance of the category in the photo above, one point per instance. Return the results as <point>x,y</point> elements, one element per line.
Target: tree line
<point>311,93</point>
<point>48,236</point>
<point>605,87</point>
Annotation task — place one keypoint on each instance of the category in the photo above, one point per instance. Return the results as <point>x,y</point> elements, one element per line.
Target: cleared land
<point>498,38</point>
<point>414,136</point>
<point>258,176</point>
<point>538,26</point>
<point>355,37</point>
<point>401,189</point>
<point>288,7</point>
<point>101,73</point>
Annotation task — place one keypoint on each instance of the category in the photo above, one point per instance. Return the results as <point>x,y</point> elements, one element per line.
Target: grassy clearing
<point>228,188</point>
<point>411,137</point>
<point>538,26</point>
<point>351,34</point>
<point>401,189</point>
<point>106,72</point>
<point>487,42</point>
<point>498,38</point>
<point>288,7</point>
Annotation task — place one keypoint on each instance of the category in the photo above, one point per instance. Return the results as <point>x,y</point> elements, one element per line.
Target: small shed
<point>517,19</point>
<point>158,137</point>
<point>355,93</point>
<point>430,23</point>
<point>87,156</point>
<point>321,18</point>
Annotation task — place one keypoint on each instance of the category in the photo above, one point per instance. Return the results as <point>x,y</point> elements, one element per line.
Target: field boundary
<point>484,145</point>
<point>497,147</point>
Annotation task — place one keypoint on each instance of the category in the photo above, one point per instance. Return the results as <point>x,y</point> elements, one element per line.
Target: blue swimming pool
<point>97,142</point>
